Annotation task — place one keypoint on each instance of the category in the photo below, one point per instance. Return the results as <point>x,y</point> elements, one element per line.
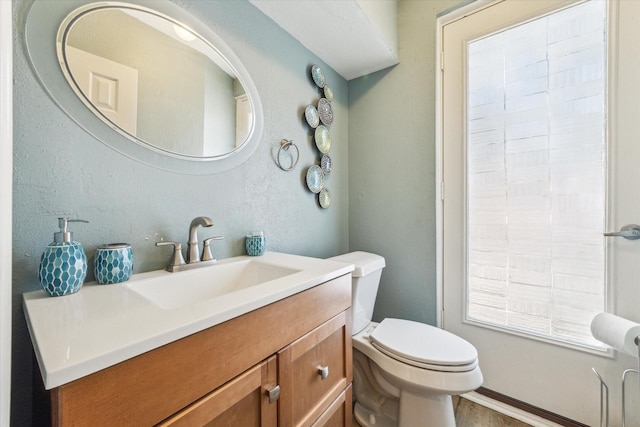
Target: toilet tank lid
<point>365,263</point>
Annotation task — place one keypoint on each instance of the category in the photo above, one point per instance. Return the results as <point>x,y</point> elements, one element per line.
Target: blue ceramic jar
<point>255,243</point>
<point>113,263</point>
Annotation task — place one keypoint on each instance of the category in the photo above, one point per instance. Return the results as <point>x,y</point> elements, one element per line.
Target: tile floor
<point>469,414</point>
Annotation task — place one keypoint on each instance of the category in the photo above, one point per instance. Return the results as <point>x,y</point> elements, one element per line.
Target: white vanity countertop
<point>102,325</point>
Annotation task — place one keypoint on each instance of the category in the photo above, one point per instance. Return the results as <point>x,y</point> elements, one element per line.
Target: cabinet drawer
<point>339,413</point>
<point>242,401</point>
<point>314,370</point>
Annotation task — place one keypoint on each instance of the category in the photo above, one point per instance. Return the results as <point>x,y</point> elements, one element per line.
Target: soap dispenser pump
<point>63,265</point>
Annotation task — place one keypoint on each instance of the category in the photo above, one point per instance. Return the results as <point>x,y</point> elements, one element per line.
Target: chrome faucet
<point>193,253</point>
<point>194,259</point>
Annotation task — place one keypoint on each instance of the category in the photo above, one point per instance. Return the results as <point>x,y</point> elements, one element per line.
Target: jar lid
<point>115,246</point>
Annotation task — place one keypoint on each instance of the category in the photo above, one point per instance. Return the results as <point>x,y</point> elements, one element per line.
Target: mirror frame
<point>42,21</point>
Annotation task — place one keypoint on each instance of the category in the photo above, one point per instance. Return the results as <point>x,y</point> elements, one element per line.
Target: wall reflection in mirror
<point>155,81</point>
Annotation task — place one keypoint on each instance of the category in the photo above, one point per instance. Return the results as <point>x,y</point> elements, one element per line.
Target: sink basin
<point>176,290</point>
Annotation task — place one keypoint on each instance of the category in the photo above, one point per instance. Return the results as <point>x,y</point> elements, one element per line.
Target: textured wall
<point>59,170</point>
<point>392,167</point>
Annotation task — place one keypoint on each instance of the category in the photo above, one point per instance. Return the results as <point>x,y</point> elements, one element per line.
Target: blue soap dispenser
<point>63,265</point>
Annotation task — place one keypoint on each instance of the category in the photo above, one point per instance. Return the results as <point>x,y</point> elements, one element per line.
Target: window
<point>536,176</point>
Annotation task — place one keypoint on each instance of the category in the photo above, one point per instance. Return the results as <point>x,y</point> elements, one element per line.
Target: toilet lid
<point>423,345</point>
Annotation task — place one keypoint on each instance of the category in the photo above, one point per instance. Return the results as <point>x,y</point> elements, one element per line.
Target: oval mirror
<point>159,78</point>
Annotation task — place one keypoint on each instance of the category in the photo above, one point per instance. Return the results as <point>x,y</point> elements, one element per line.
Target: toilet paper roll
<point>616,332</point>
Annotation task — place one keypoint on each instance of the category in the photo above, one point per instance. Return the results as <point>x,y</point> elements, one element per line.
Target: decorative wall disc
<point>318,76</point>
<point>311,115</point>
<point>325,111</point>
<point>324,198</point>
<point>323,139</point>
<point>315,179</point>
<point>328,93</point>
<point>325,164</point>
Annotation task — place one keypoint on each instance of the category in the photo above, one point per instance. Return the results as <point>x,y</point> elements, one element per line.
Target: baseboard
<point>519,410</point>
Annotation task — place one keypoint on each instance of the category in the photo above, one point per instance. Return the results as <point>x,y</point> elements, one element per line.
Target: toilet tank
<point>364,285</point>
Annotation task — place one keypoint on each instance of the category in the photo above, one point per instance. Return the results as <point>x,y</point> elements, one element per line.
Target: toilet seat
<point>423,346</point>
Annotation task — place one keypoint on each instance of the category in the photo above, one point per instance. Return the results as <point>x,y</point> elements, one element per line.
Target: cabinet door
<point>243,401</point>
<point>314,371</point>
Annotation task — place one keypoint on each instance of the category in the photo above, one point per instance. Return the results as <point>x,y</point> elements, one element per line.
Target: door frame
<point>608,363</point>
<point>6,185</point>
<point>443,19</point>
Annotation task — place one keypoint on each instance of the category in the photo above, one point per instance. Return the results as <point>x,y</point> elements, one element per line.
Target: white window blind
<point>536,175</point>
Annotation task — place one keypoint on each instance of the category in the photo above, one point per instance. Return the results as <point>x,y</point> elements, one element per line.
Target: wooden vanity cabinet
<point>222,376</point>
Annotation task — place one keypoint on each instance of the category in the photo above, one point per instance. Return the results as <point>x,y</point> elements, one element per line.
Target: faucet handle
<point>177,258</point>
<point>206,248</point>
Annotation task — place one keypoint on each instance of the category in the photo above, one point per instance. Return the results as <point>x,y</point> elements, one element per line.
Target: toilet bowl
<point>404,372</point>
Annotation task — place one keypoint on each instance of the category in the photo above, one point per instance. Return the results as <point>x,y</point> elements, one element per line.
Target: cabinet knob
<point>323,371</point>
<point>273,393</point>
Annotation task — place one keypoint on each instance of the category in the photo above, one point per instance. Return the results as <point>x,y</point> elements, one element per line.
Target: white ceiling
<point>354,37</point>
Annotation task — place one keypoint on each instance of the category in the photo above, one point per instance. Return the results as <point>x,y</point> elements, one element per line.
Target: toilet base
<point>415,411</point>
<point>367,418</point>
<point>420,410</point>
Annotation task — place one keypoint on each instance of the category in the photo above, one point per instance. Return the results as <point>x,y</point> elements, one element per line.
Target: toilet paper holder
<point>624,377</point>
<point>604,391</point>
<point>604,400</point>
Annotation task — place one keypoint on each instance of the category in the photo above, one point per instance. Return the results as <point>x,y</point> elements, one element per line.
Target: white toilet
<point>404,372</point>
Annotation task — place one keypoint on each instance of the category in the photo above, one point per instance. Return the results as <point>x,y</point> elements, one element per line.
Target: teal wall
<point>383,181</point>
<point>59,169</point>
<point>392,167</point>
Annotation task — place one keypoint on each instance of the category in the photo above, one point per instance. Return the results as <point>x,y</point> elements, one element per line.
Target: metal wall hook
<point>285,144</point>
